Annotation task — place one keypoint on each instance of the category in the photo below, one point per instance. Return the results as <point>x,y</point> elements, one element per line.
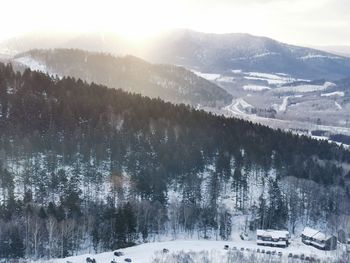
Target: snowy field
<point>316,56</point>
<point>272,79</point>
<point>255,87</point>
<point>146,253</point>
<point>305,88</point>
<point>207,76</point>
<point>335,93</point>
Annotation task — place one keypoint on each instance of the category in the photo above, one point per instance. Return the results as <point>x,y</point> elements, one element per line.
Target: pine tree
<point>278,209</point>
<point>262,213</point>
<point>131,222</point>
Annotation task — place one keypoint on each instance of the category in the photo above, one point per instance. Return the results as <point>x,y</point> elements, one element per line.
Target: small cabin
<point>274,238</point>
<point>317,239</point>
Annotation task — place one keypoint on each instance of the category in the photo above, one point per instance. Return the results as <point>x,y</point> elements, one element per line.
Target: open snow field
<point>146,253</point>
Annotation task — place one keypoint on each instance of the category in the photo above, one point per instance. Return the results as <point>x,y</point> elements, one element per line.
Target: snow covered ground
<point>207,76</point>
<point>317,56</point>
<point>31,63</point>
<point>339,107</point>
<point>239,106</point>
<point>35,65</point>
<point>255,87</point>
<point>270,78</point>
<point>225,79</point>
<point>235,109</point>
<point>283,106</point>
<point>145,253</point>
<point>335,93</point>
<point>305,88</point>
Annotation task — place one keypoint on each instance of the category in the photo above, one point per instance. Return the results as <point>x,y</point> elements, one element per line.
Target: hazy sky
<point>308,22</point>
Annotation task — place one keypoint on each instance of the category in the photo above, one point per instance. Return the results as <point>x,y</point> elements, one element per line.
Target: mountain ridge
<point>171,83</point>
<point>238,51</point>
<point>207,52</point>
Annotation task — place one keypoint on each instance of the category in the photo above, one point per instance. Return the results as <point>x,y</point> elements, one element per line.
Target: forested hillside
<point>168,82</point>
<point>85,167</point>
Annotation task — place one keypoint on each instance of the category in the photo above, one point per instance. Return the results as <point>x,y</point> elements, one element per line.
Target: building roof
<point>313,233</point>
<point>309,232</point>
<point>272,233</point>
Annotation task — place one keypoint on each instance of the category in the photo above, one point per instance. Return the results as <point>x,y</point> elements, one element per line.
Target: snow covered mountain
<point>170,83</point>
<point>226,52</point>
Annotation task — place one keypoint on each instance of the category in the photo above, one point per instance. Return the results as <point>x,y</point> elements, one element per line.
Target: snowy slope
<point>34,64</point>
<point>170,83</point>
<point>31,63</point>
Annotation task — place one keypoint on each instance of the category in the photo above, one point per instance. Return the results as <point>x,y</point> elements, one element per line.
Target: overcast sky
<point>307,22</point>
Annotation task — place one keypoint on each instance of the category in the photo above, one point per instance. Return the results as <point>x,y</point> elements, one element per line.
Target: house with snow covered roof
<point>317,239</point>
<point>274,238</point>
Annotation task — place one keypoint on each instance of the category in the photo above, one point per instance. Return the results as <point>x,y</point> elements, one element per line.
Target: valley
<point>276,100</point>
<point>282,102</point>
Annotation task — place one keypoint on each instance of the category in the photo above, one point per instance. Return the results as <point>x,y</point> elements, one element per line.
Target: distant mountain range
<point>213,53</point>
<point>95,42</point>
<point>227,52</point>
<point>170,83</point>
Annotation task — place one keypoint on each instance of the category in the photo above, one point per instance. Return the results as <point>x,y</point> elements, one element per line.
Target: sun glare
<point>138,19</point>
<point>133,19</point>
